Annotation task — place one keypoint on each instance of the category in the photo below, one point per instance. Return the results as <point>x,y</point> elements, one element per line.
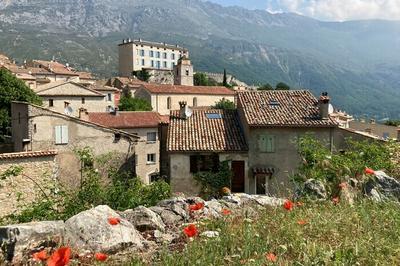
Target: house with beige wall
<point>146,126</point>
<point>165,98</point>
<point>69,97</point>
<point>35,128</point>
<point>198,141</point>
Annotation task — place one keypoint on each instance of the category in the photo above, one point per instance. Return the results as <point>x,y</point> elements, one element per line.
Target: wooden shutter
<point>64,134</point>
<point>270,143</point>
<point>262,143</point>
<point>57,131</point>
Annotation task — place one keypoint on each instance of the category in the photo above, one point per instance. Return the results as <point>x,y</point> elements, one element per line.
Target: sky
<point>328,10</point>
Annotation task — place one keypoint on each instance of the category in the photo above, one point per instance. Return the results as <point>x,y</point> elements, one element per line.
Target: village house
<point>35,128</point>
<point>375,129</point>
<point>164,98</point>
<point>272,122</point>
<point>70,97</point>
<point>111,94</point>
<point>146,126</point>
<point>19,72</point>
<point>198,140</point>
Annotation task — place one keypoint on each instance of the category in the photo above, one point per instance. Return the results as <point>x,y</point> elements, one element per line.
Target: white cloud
<point>340,10</point>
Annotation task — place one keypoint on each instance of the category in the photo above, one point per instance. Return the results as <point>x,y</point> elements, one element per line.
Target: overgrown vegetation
<point>318,162</point>
<point>279,86</point>
<point>119,190</point>
<point>315,234</point>
<point>224,104</point>
<point>201,79</point>
<point>143,75</point>
<point>12,89</point>
<point>128,103</point>
<point>395,123</point>
<point>212,182</point>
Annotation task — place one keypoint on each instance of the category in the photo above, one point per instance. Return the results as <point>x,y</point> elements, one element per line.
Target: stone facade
<point>21,190</point>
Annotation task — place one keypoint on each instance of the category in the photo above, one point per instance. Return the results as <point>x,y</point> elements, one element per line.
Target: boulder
<point>210,234</point>
<point>213,209</point>
<point>91,230</point>
<point>20,240</point>
<point>169,217</point>
<point>268,201</point>
<point>177,205</point>
<point>144,219</point>
<point>232,199</point>
<point>347,194</point>
<point>382,187</point>
<point>164,238</point>
<point>314,189</point>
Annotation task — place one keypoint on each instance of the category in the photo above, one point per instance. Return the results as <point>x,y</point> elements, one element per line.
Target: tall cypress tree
<point>224,82</point>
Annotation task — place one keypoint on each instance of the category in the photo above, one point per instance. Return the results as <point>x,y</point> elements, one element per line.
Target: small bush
<point>212,182</point>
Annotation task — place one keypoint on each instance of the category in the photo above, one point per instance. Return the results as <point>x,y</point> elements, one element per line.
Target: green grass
<point>365,234</point>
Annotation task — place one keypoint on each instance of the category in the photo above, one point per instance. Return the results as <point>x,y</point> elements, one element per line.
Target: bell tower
<point>183,72</point>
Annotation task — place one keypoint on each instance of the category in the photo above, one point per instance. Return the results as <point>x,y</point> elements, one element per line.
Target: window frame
<point>61,135</point>
<point>267,143</point>
<point>152,156</point>
<point>51,103</point>
<point>148,134</point>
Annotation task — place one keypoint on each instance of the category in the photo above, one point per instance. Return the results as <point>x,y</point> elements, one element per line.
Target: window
<point>266,143</point>
<point>34,128</point>
<point>109,97</point>
<point>61,134</point>
<point>201,163</point>
<point>158,64</point>
<point>83,100</point>
<point>137,61</point>
<point>165,55</point>
<point>165,64</point>
<point>169,103</point>
<point>143,62</point>
<point>151,158</point>
<point>151,54</point>
<point>51,103</point>
<point>158,54</point>
<point>213,115</point>
<point>155,177</point>
<point>66,104</point>
<point>151,136</point>
<point>142,52</point>
<point>152,63</point>
<point>195,102</point>
<point>173,56</point>
<point>187,72</point>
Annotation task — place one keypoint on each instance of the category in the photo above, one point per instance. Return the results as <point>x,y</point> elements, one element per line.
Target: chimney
<point>184,111</point>
<point>83,114</point>
<point>114,111</point>
<point>323,104</point>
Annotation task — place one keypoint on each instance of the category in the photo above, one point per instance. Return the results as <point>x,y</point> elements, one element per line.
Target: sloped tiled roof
<point>56,67</point>
<point>124,120</point>
<point>297,108</point>
<point>29,154</point>
<point>200,133</point>
<point>180,89</point>
<point>45,90</point>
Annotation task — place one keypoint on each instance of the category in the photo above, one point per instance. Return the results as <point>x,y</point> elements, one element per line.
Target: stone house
<point>198,140</point>
<point>272,121</point>
<point>51,71</point>
<point>146,126</point>
<point>165,98</point>
<point>111,94</point>
<point>69,97</point>
<point>36,128</point>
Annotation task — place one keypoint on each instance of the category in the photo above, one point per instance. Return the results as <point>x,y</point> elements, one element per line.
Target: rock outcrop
<point>382,187</point>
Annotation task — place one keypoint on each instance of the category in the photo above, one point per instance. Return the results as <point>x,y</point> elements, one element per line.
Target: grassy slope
<point>366,234</point>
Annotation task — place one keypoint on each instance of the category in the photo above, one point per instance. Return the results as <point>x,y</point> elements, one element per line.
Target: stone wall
<point>20,190</point>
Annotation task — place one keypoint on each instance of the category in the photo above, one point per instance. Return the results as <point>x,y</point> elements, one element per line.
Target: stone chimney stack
<point>323,104</point>
<point>115,111</point>
<point>184,111</point>
<point>83,114</point>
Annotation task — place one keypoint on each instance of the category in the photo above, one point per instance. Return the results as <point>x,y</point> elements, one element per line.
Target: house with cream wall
<point>165,98</point>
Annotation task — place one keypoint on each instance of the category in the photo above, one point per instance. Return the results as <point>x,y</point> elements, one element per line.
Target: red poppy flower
<point>60,257</point>
<point>40,256</point>
<point>271,257</point>
<point>226,212</point>
<point>288,205</point>
<point>342,185</point>
<point>335,200</point>
<point>369,171</point>
<point>302,222</point>
<point>190,231</point>
<point>100,256</point>
<point>299,204</point>
<point>114,220</point>
<point>196,207</point>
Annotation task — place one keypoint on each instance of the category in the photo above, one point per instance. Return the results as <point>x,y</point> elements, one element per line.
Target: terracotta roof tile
<point>124,120</point>
<point>29,154</point>
<point>179,89</point>
<point>201,133</point>
<point>282,108</point>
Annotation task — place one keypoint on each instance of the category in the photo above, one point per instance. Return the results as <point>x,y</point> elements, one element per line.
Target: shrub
<point>212,182</point>
<point>225,104</point>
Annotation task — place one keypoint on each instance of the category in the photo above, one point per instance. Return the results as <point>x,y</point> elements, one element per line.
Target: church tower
<point>183,72</point>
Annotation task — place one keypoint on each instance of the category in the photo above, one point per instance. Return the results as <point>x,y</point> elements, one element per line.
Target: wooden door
<point>237,183</point>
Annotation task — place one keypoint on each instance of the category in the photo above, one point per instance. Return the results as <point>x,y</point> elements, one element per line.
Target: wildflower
<point>342,185</point>
<point>196,207</point>
<point>271,257</point>
<point>335,200</point>
<point>100,256</point>
<point>60,257</point>
<point>226,212</point>
<point>190,231</point>
<point>288,205</point>
<point>369,171</point>
<point>302,222</point>
<point>40,256</point>
<point>114,220</point>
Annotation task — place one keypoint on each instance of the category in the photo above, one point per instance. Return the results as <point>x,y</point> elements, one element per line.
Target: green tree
<point>12,89</point>
<point>225,105</point>
<point>282,86</point>
<point>200,79</point>
<point>128,103</point>
<point>395,123</point>
<point>225,81</point>
<point>265,87</point>
<point>143,75</point>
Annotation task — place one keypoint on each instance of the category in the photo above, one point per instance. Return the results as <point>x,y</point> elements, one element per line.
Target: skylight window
<point>213,116</point>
